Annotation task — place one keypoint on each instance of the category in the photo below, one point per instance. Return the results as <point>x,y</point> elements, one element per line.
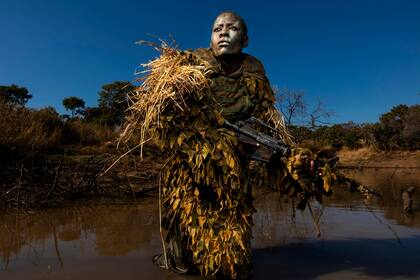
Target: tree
<point>113,102</point>
<point>318,115</point>
<point>411,130</point>
<point>300,133</point>
<point>399,128</point>
<point>291,104</point>
<point>338,135</point>
<point>389,131</point>
<point>14,95</point>
<point>74,104</point>
<point>96,115</point>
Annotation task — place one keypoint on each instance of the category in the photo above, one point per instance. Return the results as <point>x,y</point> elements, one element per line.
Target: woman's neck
<point>230,63</point>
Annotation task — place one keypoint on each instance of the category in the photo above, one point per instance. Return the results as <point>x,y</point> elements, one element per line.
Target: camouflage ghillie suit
<point>207,204</point>
<point>206,199</point>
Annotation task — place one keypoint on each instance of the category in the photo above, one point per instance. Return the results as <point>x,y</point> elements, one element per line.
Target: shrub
<point>43,130</point>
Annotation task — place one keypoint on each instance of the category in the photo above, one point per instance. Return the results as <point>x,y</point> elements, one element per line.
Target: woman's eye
<point>234,28</point>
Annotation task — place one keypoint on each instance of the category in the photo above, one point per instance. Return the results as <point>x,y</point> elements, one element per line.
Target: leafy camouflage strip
<point>204,198</point>
<point>312,175</point>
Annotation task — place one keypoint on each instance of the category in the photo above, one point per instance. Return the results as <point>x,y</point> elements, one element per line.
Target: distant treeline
<point>45,130</point>
<point>398,129</point>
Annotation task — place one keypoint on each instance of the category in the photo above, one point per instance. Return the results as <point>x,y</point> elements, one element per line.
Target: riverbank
<point>40,180</point>
<point>369,158</point>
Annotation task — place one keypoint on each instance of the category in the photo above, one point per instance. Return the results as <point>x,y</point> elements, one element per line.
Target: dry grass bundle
<point>275,117</point>
<point>167,80</point>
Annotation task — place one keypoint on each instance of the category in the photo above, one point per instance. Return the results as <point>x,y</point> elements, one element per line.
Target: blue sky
<point>360,57</point>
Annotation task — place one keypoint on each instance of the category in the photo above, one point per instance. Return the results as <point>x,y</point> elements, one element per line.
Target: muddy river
<point>360,239</point>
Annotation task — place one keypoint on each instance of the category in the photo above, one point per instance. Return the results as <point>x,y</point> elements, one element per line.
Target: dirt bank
<point>41,180</point>
<point>369,158</point>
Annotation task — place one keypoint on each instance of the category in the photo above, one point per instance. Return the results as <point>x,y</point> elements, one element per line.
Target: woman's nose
<point>224,32</point>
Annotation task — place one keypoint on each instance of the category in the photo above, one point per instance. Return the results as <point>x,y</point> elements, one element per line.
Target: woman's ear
<point>245,41</point>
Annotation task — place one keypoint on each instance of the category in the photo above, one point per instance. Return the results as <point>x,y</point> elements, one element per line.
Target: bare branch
<point>291,103</point>
<point>319,114</point>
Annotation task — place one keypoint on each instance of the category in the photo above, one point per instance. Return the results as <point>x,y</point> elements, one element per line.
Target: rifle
<point>263,147</point>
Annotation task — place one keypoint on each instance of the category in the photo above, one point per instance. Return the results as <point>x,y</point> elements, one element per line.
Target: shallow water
<point>363,239</point>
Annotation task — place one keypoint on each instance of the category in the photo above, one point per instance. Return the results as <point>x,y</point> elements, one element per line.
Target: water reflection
<point>117,240</point>
<point>392,182</point>
<point>115,229</point>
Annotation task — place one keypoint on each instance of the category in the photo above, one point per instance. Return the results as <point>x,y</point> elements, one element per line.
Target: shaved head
<point>229,34</point>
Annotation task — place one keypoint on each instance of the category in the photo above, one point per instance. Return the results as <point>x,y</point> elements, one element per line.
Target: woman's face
<point>227,35</point>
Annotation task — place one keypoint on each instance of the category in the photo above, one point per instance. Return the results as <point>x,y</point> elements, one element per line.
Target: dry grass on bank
<point>371,157</point>
<point>27,129</point>
<point>349,155</point>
